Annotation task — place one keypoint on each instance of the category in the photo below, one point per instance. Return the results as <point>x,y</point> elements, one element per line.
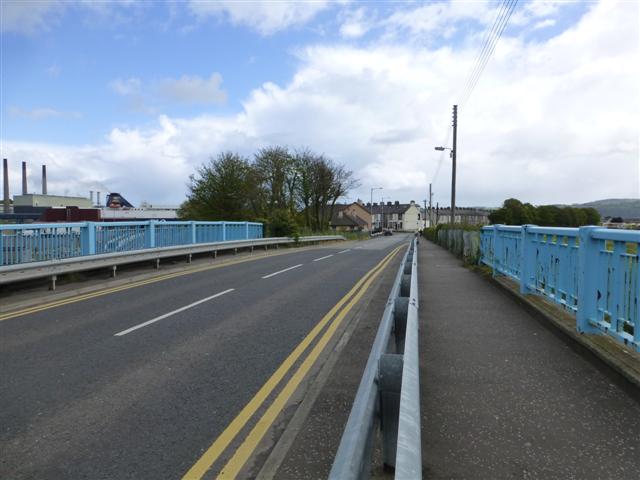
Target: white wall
<point>410,221</point>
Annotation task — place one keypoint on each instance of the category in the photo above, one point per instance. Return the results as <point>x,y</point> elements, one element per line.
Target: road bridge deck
<point>503,394</point>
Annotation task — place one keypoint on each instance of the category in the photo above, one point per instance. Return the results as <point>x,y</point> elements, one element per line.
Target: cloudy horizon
<point>132,97</point>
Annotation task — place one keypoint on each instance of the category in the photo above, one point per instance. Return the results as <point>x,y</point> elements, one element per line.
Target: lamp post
<point>372,189</point>
<point>453,163</point>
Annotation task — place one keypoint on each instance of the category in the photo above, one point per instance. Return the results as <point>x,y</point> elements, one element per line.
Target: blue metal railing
<point>590,271</point>
<point>55,241</point>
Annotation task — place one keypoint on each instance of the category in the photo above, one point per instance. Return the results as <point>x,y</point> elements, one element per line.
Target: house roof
<point>464,211</point>
<point>346,220</point>
<point>389,209</point>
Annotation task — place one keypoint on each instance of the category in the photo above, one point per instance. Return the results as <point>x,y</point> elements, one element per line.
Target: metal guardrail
<point>52,268</point>
<point>590,271</point>
<point>54,241</point>
<point>388,394</point>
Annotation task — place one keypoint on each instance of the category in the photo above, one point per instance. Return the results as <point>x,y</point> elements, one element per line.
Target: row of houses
<point>406,217</point>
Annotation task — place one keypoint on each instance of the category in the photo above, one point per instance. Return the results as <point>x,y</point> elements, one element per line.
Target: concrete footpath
<point>503,394</point>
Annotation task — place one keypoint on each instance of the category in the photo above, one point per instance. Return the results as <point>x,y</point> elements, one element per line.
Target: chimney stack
<point>91,196</point>
<point>98,199</point>
<point>5,177</point>
<point>44,179</point>
<point>24,178</point>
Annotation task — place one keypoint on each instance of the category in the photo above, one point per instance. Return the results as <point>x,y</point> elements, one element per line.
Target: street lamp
<point>372,189</point>
<point>454,151</point>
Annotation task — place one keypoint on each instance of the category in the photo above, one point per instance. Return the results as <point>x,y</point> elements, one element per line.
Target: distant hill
<point>627,208</point>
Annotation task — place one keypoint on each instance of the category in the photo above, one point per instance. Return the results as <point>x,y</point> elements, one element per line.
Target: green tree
<point>221,190</point>
<point>514,212</point>
<point>593,216</point>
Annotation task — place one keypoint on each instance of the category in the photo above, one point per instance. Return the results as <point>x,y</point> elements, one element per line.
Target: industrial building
<point>32,207</point>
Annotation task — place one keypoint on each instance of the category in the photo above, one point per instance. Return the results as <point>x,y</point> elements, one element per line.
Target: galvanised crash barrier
<point>591,271</point>
<point>389,393</point>
<point>55,241</point>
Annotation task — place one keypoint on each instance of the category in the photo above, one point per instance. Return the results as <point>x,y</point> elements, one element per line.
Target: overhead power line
<point>489,35</point>
<point>489,45</point>
<point>442,156</point>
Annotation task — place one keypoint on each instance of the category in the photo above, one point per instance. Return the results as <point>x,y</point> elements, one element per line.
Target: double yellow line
<point>244,451</point>
<point>86,296</point>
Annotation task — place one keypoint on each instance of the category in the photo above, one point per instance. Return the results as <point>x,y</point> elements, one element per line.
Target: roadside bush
<point>282,224</point>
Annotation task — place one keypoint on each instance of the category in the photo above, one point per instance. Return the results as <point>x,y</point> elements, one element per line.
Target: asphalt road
<point>85,396</point>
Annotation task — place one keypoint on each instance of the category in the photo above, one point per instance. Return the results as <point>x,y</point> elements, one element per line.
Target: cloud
<point>127,86</point>
<point>438,18</point>
<point>266,18</point>
<point>549,22</point>
<point>54,71</point>
<point>42,113</point>
<point>194,89</point>
<point>355,25</point>
<point>551,121</point>
<point>187,90</point>
<point>27,18</point>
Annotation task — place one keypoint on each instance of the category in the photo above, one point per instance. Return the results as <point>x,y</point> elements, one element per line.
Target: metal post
<point>527,259</point>
<point>44,179</point>
<point>152,234</point>
<point>430,207</point>
<point>246,230</point>
<point>454,152</point>
<point>5,177</point>
<point>88,238</point>
<point>193,233</point>
<point>494,260</point>
<point>390,383</point>
<point>588,254</point>
<point>24,178</point>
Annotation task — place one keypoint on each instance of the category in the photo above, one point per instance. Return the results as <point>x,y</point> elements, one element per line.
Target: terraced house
<point>405,217</point>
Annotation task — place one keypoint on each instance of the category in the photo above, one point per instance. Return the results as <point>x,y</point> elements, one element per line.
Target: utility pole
<point>424,218</point>
<point>430,207</point>
<point>453,164</point>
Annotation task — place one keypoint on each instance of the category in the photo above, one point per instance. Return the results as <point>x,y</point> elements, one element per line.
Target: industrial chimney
<point>91,197</point>
<point>5,177</point>
<point>44,179</point>
<point>98,199</point>
<point>24,178</point>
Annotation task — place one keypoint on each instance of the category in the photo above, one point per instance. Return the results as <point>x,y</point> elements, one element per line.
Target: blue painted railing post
<point>193,232</point>
<point>588,254</point>
<point>494,261</point>
<point>527,260</point>
<point>1,249</point>
<point>151,238</point>
<point>224,231</point>
<point>88,238</point>
<point>246,230</point>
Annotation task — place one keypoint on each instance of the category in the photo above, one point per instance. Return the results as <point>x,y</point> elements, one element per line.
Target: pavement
<point>505,396</point>
<point>137,383</point>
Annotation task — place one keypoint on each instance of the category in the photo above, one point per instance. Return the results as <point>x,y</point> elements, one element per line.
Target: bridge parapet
<point>592,272</point>
<point>56,241</point>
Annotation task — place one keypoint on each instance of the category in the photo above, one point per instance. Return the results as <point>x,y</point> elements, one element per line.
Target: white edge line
<point>322,258</point>
<point>282,271</point>
<point>343,251</point>
<point>162,317</point>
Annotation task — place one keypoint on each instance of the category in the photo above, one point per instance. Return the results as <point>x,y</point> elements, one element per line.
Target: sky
<point>133,96</point>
